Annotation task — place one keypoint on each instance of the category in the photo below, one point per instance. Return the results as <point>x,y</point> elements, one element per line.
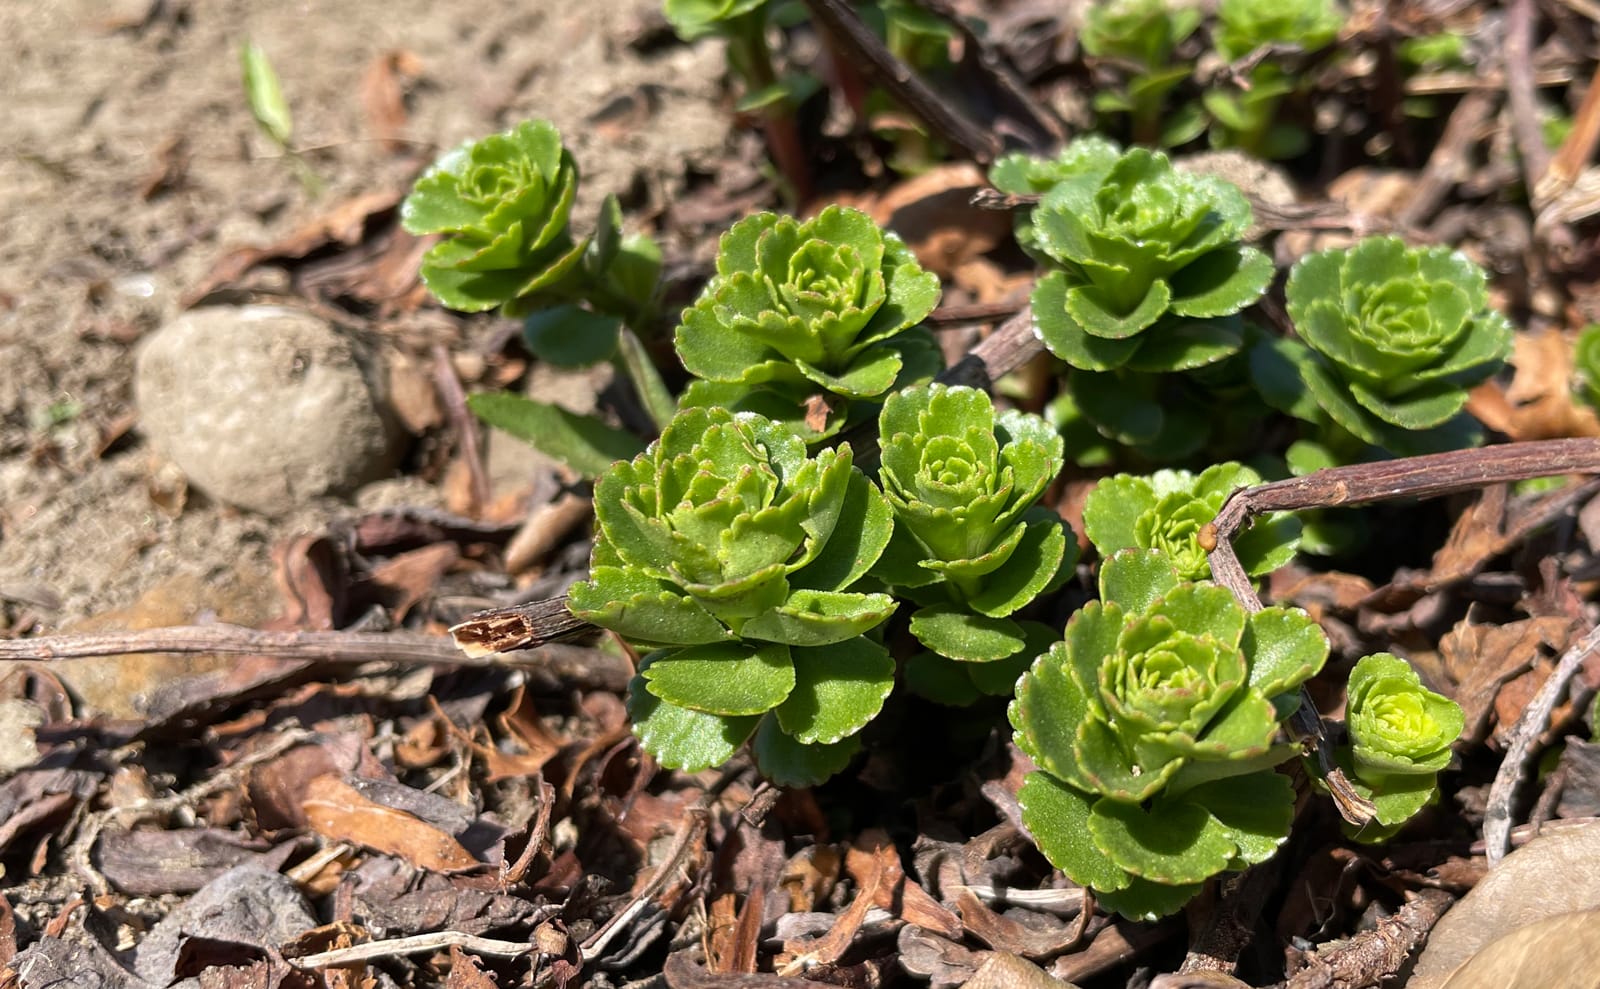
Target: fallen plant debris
<point>1188,579</point>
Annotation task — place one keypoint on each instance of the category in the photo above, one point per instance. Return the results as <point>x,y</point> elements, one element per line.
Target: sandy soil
<point>96,94</point>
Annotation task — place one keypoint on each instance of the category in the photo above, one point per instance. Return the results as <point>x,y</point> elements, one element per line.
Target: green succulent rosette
<point>1400,738</point>
<point>804,318</point>
<point>1145,33</point>
<point>1167,510</point>
<point>1246,25</point>
<point>1149,265</point>
<point>1247,117</point>
<point>972,545</point>
<point>1155,724</point>
<point>1394,337</point>
<point>1087,158</point>
<point>733,554</point>
<point>503,204</point>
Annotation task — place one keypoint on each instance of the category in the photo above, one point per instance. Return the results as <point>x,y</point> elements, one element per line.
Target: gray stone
<point>263,407</point>
<point>1558,872</point>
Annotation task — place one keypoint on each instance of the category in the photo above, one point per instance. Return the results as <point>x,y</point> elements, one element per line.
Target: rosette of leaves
<point>1086,158</point>
<point>972,545</point>
<point>1167,510</point>
<point>503,204</point>
<point>1155,724</point>
<point>1143,34</point>
<point>1247,117</point>
<point>1393,338</point>
<point>1148,258</point>
<point>802,319</point>
<point>1400,737</point>
<point>732,553</point>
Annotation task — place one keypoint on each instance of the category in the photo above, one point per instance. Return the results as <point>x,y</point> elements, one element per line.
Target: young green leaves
<point>804,318</point>
<point>971,545</point>
<point>728,548</point>
<point>1394,337</point>
<point>1167,511</point>
<point>1155,727</point>
<point>1144,33</point>
<point>1147,258</point>
<point>503,203</point>
<point>1247,117</point>
<point>1400,737</point>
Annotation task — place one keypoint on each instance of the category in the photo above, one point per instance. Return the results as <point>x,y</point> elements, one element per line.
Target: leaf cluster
<point>971,545</point>
<point>804,319</point>
<point>1400,737</point>
<point>1144,34</point>
<point>1392,338</point>
<point>1586,365</point>
<point>733,553</point>
<point>1147,259</point>
<point>1167,511</point>
<point>1155,726</point>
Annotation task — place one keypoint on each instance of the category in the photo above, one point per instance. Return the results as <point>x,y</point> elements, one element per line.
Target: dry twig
<point>1530,726</point>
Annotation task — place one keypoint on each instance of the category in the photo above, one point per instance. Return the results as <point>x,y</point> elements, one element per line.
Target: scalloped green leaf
<point>726,678</point>
<point>1100,319</point>
<point>859,537</point>
<point>1030,569</point>
<point>1058,818</point>
<point>1050,704</point>
<point>1221,282</point>
<point>1286,648</point>
<point>820,618</point>
<point>1135,579</point>
<point>1203,609</point>
<point>1173,843</point>
<point>638,607</point>
<point>1112,508</point>
<point>1179,344</point>
<point>587,445</point>
<point>999,678</point>
<point>955,633</point>
<point>1255,811</point>
<point>787,761</point>
<point>1145,900</point>
<point>837,690</point>
<point>1065,337</point>
<point>679,738</point>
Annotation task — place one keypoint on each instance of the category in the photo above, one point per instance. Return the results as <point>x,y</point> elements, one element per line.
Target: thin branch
<point>417,944</point>
<point>465,426</point>
<point>1407,477</point>
<point>343,648</point>
<point>1530,726</point>
<point>1372,956</point>
<point>1520,92</point>
<point>908,89</point>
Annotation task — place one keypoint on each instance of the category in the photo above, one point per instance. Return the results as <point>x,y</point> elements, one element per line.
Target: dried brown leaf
<point>809,877</point>
<point>465,973</point>
<point>1538,404</point>
<point>1039,936</point>
<point>337,810</point>
<point>383,94</point>
<point>1480,659</point>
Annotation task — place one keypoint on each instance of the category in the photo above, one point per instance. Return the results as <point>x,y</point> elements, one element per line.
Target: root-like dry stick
<point>574,663</point>
<point>1534,720</point>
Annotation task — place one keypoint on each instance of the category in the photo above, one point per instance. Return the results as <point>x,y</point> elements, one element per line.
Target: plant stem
<point>749,57</point>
